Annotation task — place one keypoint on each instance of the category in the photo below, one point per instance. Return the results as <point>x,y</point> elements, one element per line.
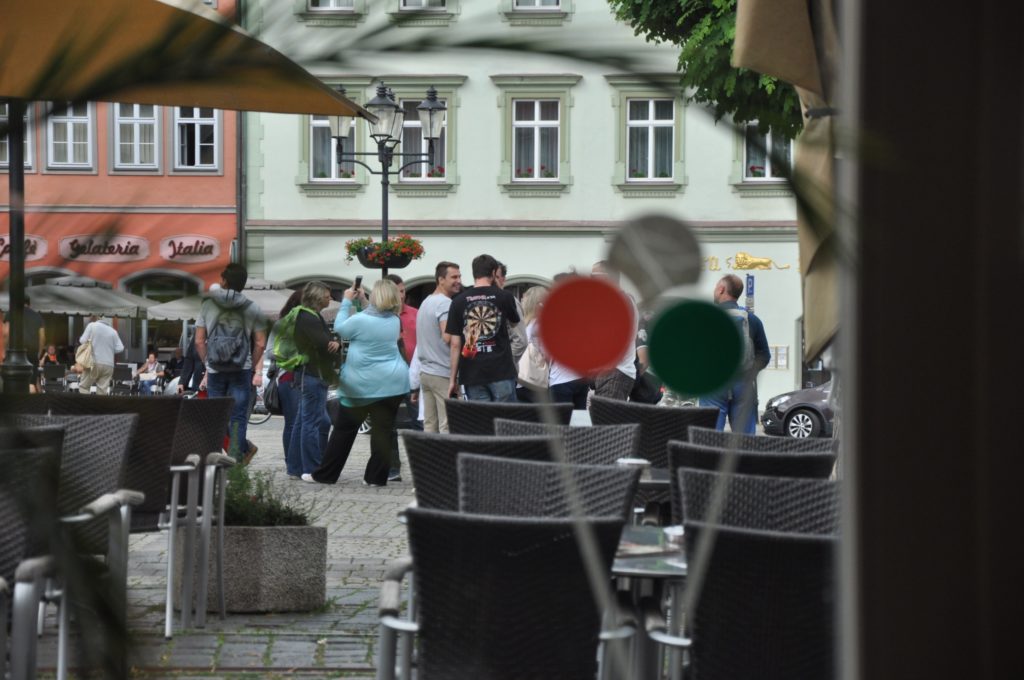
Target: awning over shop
<point>82,296</point>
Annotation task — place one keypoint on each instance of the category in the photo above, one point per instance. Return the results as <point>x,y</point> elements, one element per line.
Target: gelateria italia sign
<point>189,248</point>
<point>93,248</point>
<point>35,247</point>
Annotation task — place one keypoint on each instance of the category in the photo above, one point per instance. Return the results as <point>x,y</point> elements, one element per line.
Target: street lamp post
<point>387,134</point>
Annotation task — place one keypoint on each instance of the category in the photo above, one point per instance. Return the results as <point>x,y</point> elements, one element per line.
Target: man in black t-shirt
<point>478,323</point>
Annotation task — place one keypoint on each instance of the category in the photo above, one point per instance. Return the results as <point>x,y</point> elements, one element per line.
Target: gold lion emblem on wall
<point>747,261</point>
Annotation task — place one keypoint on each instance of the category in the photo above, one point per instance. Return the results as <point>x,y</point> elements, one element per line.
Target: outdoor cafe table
<point>646,554</point>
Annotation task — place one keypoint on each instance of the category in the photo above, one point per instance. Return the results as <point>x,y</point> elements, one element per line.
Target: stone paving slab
<point>336,641</point>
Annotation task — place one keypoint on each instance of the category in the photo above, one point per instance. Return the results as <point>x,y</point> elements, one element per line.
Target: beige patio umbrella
<point>139,51</point>
<point>161,52</point>
<point>797,41</point>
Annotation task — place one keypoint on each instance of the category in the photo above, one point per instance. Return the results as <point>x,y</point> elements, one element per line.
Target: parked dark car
<point>800,414</point>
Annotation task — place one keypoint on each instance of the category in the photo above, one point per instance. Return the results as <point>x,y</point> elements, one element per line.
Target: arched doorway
<point>163,336</point>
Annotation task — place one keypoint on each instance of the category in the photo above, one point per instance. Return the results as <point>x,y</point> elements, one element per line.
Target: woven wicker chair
<point>686,456</point>
<point>783,504</point>
<point>597,445</point>
<point>433,460</point>
<point>499,486</point>
<point>766,605</point>
<point>477,417</point>
<point>658,424</point>
<point>498,598</point>
<point>28,497</point>
<point>94,510</point>
<point>156,459</point>
<point>704,436</point>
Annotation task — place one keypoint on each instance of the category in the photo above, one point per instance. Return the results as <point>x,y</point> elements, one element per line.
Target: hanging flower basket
<point>395,253</point>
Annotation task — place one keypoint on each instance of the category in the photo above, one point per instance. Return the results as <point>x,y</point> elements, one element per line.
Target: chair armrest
<point>391,588</point>
<point>130,497</point>
<point>35,567</point>
<point>657,628</point>
<point>192,461</point>
<point>219,460</point>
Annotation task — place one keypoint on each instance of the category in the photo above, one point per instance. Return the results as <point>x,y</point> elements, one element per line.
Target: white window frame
<point>537,125</point>
<point>61,115</point>
<point>651,123</point>
<point>5,159</point>
<point>536,6</point>
<point>423,5</point>
<point>769,145</point>
<point>413,123</point>
<point>137,121</point>
<point>316,122</point>
<point>333,6</point>
<point>180,120</point>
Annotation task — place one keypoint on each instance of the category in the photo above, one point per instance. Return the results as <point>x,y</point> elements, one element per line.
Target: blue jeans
<point>146,388</point>
<point>238,386</point>
<point>290,410</point>
<point>309,433</point>
<point>502,390</point>
<point>738,404</point>
<point>574,391</point>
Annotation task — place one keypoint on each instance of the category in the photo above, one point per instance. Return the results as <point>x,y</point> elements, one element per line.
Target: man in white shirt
<point>105,344</point>
<point>433,345</point>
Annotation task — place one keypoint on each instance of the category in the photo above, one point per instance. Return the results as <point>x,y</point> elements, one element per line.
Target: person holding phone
<point>373,382</point>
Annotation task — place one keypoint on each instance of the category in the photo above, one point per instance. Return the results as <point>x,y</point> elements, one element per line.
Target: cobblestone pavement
<point>339,640</point>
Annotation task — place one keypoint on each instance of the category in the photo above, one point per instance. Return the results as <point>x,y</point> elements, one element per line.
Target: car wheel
<point>802,424</point>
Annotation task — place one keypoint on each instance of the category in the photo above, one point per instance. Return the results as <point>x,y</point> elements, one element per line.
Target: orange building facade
<point>142,197</point>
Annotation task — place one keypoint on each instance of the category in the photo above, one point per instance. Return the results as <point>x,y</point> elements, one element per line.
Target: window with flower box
<point>537,12</point>
<point>535,143</point>
<point>330,13</point>
<point>649,144</point>
<point>650,134</point>
<point>535,140</point>
<point>413,142</point>
<point>70,133</point>
<point>5,158</point>
<point>324,165</point>
<point>765,157</point>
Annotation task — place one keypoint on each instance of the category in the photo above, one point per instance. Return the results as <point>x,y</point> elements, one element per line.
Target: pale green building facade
<point>543,157</point>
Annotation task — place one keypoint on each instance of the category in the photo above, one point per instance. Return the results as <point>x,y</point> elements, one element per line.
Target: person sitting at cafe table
<point>50,357</point>
<point>147,374</point>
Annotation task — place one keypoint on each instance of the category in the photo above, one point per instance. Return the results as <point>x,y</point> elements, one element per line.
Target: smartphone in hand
<point>359,282</point>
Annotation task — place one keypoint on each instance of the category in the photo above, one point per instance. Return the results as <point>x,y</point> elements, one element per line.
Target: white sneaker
<point>306,477</point>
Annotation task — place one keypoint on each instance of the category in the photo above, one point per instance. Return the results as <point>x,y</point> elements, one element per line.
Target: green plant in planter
<point>252,500</point>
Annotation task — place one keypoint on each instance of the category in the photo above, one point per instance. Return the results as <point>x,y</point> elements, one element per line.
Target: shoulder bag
<point>534,368</point>
<point>83,355</point>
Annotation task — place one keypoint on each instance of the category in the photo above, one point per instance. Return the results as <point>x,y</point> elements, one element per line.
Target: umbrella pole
<point>16,370</point>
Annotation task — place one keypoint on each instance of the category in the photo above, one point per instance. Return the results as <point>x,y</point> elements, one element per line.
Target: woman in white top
<point>564,384</point>
<point>147,374</point>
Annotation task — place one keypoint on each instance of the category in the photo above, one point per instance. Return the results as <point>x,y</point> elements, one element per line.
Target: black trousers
<point>343,436</point>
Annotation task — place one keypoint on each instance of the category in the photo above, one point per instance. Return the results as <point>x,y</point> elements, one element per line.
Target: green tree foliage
<point>705,30</point>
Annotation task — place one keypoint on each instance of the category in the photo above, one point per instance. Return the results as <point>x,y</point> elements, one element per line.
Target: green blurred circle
<point>695,348</point>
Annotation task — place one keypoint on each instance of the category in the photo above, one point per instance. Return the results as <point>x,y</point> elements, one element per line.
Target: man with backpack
<point>739,402</point>
<point>227,321</point>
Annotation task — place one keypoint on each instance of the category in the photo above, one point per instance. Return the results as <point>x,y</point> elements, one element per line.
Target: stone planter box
<point>266,569</point>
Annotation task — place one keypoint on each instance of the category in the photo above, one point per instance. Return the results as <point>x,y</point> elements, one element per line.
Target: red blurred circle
<point>586,325</point>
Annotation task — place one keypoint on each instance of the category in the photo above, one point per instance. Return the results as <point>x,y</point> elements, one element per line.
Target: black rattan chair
<point>95,511</point>
<point>686,456</point>
<point>704,436</point>
<point>658,424</point>
<point>766,607</point>
<point>498,598</point>
<point>499,486</point>
<point>764,503</point>
<point>477,417</point>
<point>597,445</point>
<point>28,497</point>
<point>433,460</point>
<point>52,377</point>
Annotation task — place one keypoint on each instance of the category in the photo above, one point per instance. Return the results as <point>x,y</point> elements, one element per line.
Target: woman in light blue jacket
<point>374,382</point>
